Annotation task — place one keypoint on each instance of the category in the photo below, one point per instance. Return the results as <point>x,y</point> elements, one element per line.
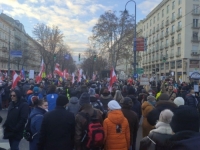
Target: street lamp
<point>134,38</point>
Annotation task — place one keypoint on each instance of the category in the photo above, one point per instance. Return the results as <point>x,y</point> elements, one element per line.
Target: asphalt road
<point>24,145</point>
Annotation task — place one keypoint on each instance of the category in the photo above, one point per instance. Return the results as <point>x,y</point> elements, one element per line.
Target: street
<point>24,145</point>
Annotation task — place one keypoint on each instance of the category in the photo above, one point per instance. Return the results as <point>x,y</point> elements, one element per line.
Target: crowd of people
<point>87,116</point>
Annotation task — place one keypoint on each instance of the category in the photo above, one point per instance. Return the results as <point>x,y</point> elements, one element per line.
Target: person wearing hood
<point>131,116</point>
<point>158,137</point>
<point>73,105</point>
<point>147,106</point>
<point>136,104</point>
<point>105,98</point>
<point>37,115</point>
<point>18,111</point>
<point>51,97</point>
<point>36,93</point>
<point>116,128</point>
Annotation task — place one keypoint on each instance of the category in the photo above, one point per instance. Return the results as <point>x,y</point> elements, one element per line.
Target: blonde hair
<point>118,96</point>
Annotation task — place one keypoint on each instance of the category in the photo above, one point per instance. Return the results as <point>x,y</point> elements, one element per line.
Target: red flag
<point>39,77</point>
<point>58,71</point>
<point>113,78</point>
<point>65,74</point>
<point>73,80</point>
<point>16,78</point>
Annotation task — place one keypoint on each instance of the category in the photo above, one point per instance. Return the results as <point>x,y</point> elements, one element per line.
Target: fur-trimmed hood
<point>162,128</point>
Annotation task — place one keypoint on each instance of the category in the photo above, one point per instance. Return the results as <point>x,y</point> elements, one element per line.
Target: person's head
<point>35,90</point>
<point>151,98</point>
<point>52,89</point>
<point>15,95</point>
<point>41,103</point>
<point>163,97</point>
<point>118,96</point>
<point>170,87</point>
<point>131,90</point>
<point>192,92</point>
<point>84,99</point>
<point>166,116</point>
<point>113,105</point>
<point>186,118</point>
<point>92,92</point>
<point>105,92</point>
<point>62,101</point>
<point>127,103</point>
<point>179,101</point>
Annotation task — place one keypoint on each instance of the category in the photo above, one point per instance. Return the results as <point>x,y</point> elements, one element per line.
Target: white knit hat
<point>166,116</point>
<point>113,105</point>
<point>179,101</point>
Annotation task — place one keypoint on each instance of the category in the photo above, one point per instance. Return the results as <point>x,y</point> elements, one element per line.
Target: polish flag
<point>113,78</point>
<point>39,77</point>
<point>73,80</point>
<point>16,78</point>
<point>65,74</point>
<point>58,71</point>
<point>80,72</point>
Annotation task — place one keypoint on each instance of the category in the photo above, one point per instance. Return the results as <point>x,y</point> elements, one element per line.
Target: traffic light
<point>157,69</point>
<point>153,71</point>
<point>79,57</point>
<point>95,57</point>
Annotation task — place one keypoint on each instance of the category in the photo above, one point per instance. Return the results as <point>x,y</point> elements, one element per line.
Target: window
<point>195,22</point>
<point>173,5</point>
<point>150,31</point>
<point>173,28</point>
<point>179,36</point>
<point>179,11</point>
<point>166,42</point>
<point>147,25</point>
<point>167,9</point>
<point>195,35</point>
<point>179,24</point>
<point>179,50</point>
<point>173,15</point>
<point>154,19</point>
<point>158,17</point>
<point>167,30</point>
<point>179,2</point>
<point>150,22</point>
<point>195,48</point>
<point>195,9</point>
<point>163,13</point>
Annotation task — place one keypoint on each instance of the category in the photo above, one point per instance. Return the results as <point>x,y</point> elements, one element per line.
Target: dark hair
<point>52,89</point>
<point>38,102</point>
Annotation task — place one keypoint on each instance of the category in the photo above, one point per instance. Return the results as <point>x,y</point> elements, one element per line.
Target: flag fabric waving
<point>16,78</point>
<point>22,74</point>
<point>94,77</point>
<point>113,78</point>
<point>65,74</point>
<point>73,80</point>
<point>58,71</point>
<point>39,77</point>
<point>80,72</point>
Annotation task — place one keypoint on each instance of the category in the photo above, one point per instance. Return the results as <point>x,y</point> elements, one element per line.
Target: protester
<point>57,129</point>
<point>73,105</point>
<point>116,128</point>
<point>82,121</point>
<point>147,106</point>
<point>179,101</point>
<point>36,93</point>
<point>118,96</point>
<point>132,118</point>
<point>105,98</point>
<point>191,99</point>
<point>52,97</point>
<point>37,114</point>
<point>18,111</point>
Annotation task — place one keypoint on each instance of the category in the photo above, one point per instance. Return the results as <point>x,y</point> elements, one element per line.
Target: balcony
<point>161,36</point>
<point>18,37</point>
<point>195,53</point>
<point>166,45</point>
<point>173,19</point>
<point>179,28</point>
<point>167,23</point>
<point>172,55</point>
<point>195,39</point>
<point>196,12</point>
<point>196,26</point>
<point>178,41</point>
<point>162,26</point>
<point>172,43</point>
<point>178,54</point>
<point>172,32</point>
<point>179,16</point>
<point>166,34</point>
<point>161,47</point>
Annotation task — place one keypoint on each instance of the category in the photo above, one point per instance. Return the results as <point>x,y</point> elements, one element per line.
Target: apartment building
<point>13,31</point>
<point>172,31</point>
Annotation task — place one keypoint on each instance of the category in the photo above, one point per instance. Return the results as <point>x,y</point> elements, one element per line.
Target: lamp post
<point>134,39</point>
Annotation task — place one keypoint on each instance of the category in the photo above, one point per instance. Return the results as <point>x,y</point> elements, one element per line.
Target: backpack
<point>27,134</point>
<point>94,133</point>
<point>97,105</point>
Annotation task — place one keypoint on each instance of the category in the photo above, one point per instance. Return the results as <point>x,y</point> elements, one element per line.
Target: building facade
<point>13,35</point>
<point>172,32</point>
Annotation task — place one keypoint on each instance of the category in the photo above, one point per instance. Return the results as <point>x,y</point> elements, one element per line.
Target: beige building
<point>13,31</point>
<point>172,32</point>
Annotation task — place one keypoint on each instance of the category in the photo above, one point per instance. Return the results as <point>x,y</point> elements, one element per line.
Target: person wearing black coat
<point>18,111</point>
<point>191,99</point>
<point>58,128</point>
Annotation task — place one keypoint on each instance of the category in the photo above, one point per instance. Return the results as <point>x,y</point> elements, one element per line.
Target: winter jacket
<point>73,105</point>
<point>36,116</point>
<point>185,140</point>
<point>161,105</point>
<point>105,100</point>
<point>51,99</point>
<point>16,119</point>
<point>116,139</point>
<point>30,96</point>
<point>81,122</point>
<point>136,106</point>
<point>191,101</point>
<point>146,127</point>
<point>57,130</point>
<point>96,103</point>
<point>159,136</point>
<point>132,118</point>
<point>25,88</point>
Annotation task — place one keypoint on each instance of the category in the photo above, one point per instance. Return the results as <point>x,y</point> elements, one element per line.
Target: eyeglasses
<point>13,95</point>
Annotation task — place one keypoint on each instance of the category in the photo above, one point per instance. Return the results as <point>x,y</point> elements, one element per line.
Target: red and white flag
<point>113,78</point>
<point>80,72</point>
<point>65,74</point>
<point>39,77</point>
<point>15,79</point>
<point>58,71</point>
<point>94,77</point>
<point>49,76</point>
<point>73,76</point>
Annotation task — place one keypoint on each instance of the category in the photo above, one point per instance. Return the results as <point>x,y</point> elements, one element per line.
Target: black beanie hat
<point>164,97</point>
<point>62,100</point>
<point>84,99</point>
<point>127,103</point>
<point>185,118</point>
